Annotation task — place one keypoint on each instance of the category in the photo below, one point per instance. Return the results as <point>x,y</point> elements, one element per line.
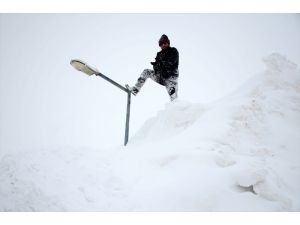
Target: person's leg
<point>172,87</point>
<point>147,73</point>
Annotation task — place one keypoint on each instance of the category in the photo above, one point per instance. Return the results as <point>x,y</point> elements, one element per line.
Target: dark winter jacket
<point>166,63</point>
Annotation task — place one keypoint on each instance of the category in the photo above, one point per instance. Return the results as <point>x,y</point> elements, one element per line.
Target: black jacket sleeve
<point>157,63</point>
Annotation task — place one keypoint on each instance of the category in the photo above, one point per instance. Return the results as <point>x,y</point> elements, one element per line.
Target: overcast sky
<point>44,102</point>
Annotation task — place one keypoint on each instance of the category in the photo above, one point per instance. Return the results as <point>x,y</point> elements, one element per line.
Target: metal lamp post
<point>88,70</point>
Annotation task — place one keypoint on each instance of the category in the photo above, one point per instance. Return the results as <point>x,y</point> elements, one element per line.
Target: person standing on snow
<point>165,69</point>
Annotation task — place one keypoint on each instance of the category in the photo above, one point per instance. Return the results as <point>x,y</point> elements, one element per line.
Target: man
<point>165,69</point>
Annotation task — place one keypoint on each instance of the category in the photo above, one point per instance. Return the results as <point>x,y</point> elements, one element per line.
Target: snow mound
<point>175,118</point>
<point>240,153</point>
<point>278,62</point>
<point>252,135</point>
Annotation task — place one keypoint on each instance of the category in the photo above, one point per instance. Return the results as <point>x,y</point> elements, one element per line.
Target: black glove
<point>156,66</point>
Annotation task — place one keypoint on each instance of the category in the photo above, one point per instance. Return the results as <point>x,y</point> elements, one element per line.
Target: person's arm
<point>156,64</point>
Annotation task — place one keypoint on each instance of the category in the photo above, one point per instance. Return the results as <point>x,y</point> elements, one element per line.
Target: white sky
<point>44,102</point>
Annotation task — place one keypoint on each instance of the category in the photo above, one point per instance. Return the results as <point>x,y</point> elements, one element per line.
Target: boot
<point>132,89</point>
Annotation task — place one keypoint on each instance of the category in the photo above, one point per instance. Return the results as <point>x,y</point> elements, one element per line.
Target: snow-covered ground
<point>240,153</point>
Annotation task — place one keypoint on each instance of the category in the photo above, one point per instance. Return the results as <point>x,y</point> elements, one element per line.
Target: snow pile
<point>176,117</point>
<point>240,153</point>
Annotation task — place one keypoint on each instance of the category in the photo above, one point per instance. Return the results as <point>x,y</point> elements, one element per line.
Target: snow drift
<point>240,153</point>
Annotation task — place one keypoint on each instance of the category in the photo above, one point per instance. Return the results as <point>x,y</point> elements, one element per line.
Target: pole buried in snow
<point>83,67</point>
<point>127,118</point>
